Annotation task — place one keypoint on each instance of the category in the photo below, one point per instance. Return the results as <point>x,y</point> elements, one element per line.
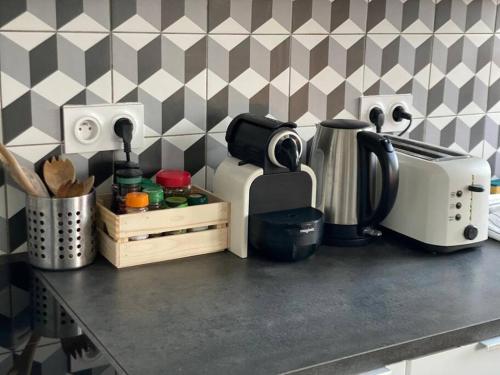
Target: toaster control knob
<point>470,232</point>
<point>476,188</point>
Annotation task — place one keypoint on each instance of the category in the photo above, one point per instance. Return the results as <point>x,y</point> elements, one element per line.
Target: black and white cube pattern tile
<point>4,244</point>
<point>170,16</point>
<point>42,71</point>
<point>494,85</point>
<point>326,77</point>
<point>47,15</point>
<point>249,16</point>
<point>459,74</point>
<point>459,16</point>
<point>247,74</point>
<point>394,16</point>
<point>167,73</point>
<point>460,133</point>
<point>399,64</point>
<point>195,64</point>
<point>491,150</point>
<point>325,16</point>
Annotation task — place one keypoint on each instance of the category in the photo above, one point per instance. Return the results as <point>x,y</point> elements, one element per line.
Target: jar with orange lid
<point>137,202</point>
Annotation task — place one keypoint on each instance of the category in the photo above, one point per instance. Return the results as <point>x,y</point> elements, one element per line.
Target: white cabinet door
<point>474,359</point>
<point>394,369</point>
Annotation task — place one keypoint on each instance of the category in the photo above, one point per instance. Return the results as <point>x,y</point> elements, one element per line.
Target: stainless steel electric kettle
<point>341,157</point>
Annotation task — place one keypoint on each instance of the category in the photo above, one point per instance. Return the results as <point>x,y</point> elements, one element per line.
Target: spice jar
<point>196,199</point>
<point>119,165</point>
<point>127,181</point>
<point>146,182</point>
<point>156,201</point>
<point>156,196</point>
<point>175,183</point>
<point>176,202</point>
<point>137,202</point>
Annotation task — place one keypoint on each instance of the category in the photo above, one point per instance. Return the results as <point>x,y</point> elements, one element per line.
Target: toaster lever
<point>476,188</point>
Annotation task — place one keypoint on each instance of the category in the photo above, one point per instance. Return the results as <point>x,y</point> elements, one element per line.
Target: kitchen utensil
<point>61,231</point>
<point>263,175</point>
<point>58,171</point>
<point>76,346</point>
<point>71,189</point>
<point>341,157</point>
<point>442,202</point>
<point>24,362</point>
<point>28,180</point>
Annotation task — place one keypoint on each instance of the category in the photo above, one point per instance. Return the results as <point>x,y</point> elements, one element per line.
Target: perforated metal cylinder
<point>61,231</point>
<point>49,318</point>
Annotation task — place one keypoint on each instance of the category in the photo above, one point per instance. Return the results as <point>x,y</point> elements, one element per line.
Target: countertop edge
<point>384,356</point>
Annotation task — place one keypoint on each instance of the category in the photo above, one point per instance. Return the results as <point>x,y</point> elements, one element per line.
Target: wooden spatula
<point>28,180</point>
<point>71,189</point>
<point>56,172</point>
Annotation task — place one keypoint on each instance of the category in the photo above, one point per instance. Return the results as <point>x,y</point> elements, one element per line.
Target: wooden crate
<point>114,232</point>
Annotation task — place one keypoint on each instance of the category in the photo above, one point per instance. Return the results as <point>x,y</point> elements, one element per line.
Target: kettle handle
<point>368,143</point>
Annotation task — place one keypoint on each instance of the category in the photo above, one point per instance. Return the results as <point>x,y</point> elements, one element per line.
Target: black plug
<point>123,129</point>
<point>400,114</point>
<point>377,118</point>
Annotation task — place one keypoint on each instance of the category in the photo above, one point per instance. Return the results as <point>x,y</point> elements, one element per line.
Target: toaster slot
<point>424,151</point>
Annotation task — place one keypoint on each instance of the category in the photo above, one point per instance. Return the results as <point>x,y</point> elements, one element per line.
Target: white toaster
<point>442,200</point>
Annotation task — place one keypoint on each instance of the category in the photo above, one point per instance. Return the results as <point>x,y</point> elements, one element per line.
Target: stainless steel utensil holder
<point>49,318</point>
<point>61,231</point>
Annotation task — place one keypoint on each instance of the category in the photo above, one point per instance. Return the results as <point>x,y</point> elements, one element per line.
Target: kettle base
<point>344,235</point>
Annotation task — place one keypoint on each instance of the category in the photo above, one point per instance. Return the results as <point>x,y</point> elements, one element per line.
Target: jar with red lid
<point>176,183</point>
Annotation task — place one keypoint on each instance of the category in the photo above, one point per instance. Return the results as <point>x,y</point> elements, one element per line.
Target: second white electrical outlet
<point>387,103</point>
<point>90,128</point>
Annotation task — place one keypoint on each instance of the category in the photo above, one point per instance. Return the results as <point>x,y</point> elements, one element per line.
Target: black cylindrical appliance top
<point>248,137</point>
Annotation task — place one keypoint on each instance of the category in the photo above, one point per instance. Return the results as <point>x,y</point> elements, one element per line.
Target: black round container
<point>287,235</point>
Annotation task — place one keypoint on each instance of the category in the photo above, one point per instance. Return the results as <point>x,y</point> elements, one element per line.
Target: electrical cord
<point>407,127</point>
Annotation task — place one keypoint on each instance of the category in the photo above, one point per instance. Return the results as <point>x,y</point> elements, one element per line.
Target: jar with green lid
<point>196,199</point>
<point>127,181</point>
<point>176,202</point>
<point>146,182</point>
<point>156,196</point>
<point>156,200</point>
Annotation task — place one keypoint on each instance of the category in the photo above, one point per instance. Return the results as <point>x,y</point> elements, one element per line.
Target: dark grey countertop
<point>341,311</point>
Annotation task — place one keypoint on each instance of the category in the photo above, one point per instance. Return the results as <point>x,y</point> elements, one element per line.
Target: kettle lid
<point>345,124</point>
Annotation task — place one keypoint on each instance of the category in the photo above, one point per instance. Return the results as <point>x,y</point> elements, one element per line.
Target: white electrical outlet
<point>90,128</point>
<point>387,103</point>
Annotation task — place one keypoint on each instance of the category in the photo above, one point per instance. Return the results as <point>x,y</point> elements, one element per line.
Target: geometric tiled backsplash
<point>195,64</point>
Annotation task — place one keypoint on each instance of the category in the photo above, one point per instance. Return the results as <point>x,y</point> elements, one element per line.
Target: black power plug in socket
<point>377,118</point>
<point>124,129</point>
<point>400,114</point>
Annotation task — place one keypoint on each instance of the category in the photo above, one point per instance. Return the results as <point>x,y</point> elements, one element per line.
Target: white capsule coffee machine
<point>272,194</point>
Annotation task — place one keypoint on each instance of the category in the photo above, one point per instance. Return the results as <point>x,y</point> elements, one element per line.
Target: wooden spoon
<point>71,189</point>
<point>28,180</point>
<point>56,172</point>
